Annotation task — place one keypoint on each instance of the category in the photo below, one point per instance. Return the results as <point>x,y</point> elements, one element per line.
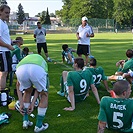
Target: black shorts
<point>83,49</point>
<point>5,61</point>
<point>40,46</point>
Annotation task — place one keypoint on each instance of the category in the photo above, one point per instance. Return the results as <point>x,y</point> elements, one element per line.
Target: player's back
<point>119,112</point>
<point>81,81</point>
<point>98,74</point>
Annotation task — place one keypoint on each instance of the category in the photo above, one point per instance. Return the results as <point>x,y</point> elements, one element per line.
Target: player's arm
<point>3,44</point>
<point>72,99</point>
<point>115,77</point>
<point>20,98</point>
<point>91,35</point>
<point>70,57</point>
<point>77,35</point>
<point>34,35</point>
<point>18,54</point>
<point>95,92</point>
<point>119,73</point>
<point>101,127</point>
<point>63,58</point>
<point>31,107</point>
<point>106,85</point>
<point>73,50</point>
<point>120,62</point>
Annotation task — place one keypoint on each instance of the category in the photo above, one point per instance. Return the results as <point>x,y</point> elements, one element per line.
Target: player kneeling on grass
<point>77,84</point>
<point>32,70</point>
<point>117,113</point>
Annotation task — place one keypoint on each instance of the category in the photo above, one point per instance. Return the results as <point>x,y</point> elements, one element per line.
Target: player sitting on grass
<point>97,73</point>
<point>67,54</point>
<point>127,67</point>
<point>117,113</point>
<point>77,84</point>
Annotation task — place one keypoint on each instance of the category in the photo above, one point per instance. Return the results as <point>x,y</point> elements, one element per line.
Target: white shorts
<point>131,73</point>
<point>31,74</point>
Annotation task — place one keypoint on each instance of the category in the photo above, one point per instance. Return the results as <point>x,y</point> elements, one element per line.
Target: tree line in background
<point>44,16</point>
<point>119,10</point>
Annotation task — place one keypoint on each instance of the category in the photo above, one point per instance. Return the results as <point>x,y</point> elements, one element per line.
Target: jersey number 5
<point>117,120</point>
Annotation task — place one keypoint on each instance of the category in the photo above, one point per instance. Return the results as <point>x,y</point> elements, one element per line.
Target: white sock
<point>42,111</point>
<point>26,105</point>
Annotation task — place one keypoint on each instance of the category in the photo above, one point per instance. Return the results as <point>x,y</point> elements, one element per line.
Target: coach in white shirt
<point>84,33</point>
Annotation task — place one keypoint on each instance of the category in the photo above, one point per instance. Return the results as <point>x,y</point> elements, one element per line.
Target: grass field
<point>107,49</point>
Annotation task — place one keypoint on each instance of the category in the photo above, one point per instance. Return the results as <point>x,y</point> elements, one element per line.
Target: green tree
<point>52,15</point>
<point>123,12</point>
<point>42,17</point>
<point>75,9</point>
<point>20,14</point>
<point>38,15</point>
<point>47,18</point>
<point>65,11</point>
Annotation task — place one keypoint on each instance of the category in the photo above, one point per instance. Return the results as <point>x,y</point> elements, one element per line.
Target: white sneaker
<point>44,127</point>
<point>26,124</point>
<point>49,60</point>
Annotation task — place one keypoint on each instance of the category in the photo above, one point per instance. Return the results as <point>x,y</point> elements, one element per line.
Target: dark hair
<point>80,62</point>
<point>129,53</point>
<point>2,7</point>
<point>120,86</point>
<point>26,50</point>
<point>19,38</point>
<point>93,62</point>
<point>64,46</point>
<point>38,22</point>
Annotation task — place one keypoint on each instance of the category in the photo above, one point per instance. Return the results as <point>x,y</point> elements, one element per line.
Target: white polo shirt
<point>82,34</point>
<point>4,35</point>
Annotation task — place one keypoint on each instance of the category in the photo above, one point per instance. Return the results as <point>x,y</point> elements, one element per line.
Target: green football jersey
<point>98,74</point>
<point>34,59</point>
<point>81,81</point>
<point>128,66</point>
<point>117,112</point>
<point>17,51</point>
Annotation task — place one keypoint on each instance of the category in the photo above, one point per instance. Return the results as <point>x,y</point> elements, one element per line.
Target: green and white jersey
<point>117,112</point>
<point>98,74</point>
<point>81,81</point>
<point>128,66</point>
<point>17,52</point>
<point>65,54</point>
<point>34,59</point>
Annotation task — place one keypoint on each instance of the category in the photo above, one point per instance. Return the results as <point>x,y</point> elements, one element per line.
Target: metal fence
<point>71,26</point>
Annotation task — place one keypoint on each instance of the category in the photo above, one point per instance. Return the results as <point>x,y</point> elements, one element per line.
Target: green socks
<point>39,120</point>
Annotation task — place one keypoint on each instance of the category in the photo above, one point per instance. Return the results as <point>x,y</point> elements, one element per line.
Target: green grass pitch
<point>107,48</point>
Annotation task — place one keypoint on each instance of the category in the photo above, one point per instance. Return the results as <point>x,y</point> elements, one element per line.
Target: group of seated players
<point>115,112</point>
